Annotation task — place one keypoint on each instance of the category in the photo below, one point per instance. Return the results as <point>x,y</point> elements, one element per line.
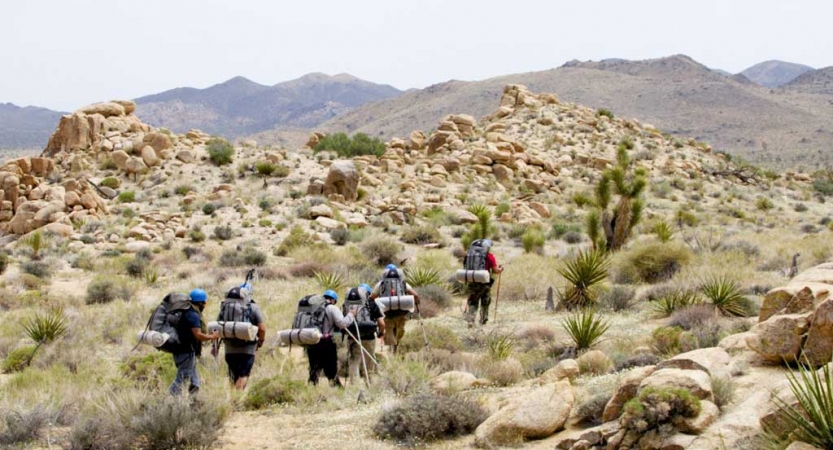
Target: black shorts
<point>239,365</point>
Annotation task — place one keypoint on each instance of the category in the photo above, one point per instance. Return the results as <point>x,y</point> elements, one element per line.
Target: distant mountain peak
<point>775,73</point>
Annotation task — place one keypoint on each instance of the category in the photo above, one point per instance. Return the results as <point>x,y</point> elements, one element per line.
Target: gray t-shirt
<point>237,347</point>
<point>334,320</point>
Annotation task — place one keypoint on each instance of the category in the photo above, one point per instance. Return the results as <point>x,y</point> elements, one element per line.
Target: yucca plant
<point>480,230</point>
<point>422,276</point>
<point>812,417</point>
<point>500,345</point>
<point>36,242</point>
<point>663,231</point>
<point>585,328</point>
<point>329,280</point>
<point>726,296</point>
<point>151,275</point>
<point>44,329</point>
<point>677,299</point>
<point>583,271</point>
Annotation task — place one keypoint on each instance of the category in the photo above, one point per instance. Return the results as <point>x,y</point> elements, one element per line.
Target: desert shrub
<point>723,389</point>
<point>265,168</point>
<point>297,238</point>
<point>605,112</point>
<point>501,372</point>
<point>209,208</point>
<point>559,229</point>
<point>307,269</point>
<point>617,298</point>
<point>18,359</point>
<point>656,261</point>
<point>183,189</point>
<point>422,276</point>
<point>39,269</point>
<point>190,252</point>
<point>429,417</point>
<point>662,231</point>
<point>675,300</point>
<point>638,360</point>
<point>594,363</point>
<point>434,293</point>
<point>136,266</point>
<point>340,236</point>
<point>277,390</point>
<point>572,237</point>
<point>725,295</point>
<point>808,418</point>
<point>196,235</point>
<point>585,328</point>
<point>381,250</point>
<point>111,182</point>
<point>692,316</point>
<point>438,337</point>
<point>800,207</point>
<point>583,271</point>
<point>589,411</point>
<point>223,232</point>
<point>764,204</point>
<point>404,376</point>
<point>247,257</point>
<point>534,335</point>
<point>4,262</point>
<point>670,341</point>
<point>105,289</point>
<point>154,369</point>
<point>421,235</point>
<point>499,345</point>
<point>330,280</point>
<point>480,230</point>
<point>220,152</point>
<point>656,406</point>
<point>502,209</point>
<point>533,240</point>
<point>25,424</point>
<point>347,147</point>
<point>127,197</point>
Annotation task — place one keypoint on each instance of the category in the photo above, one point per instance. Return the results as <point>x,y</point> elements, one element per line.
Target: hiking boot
<point>483,321</point>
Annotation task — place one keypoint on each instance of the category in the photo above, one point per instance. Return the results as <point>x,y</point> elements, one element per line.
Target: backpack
<point>476,256</point>
<point>166,317</point>
<point>312,310</point>
<point>367,327</point>
<point>237,307</point>
<point>392,285</point>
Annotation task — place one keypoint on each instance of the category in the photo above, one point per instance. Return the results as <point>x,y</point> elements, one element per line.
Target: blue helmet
<point>198,296</point>
<point>329,293</point>
<point>390,267</point>
<point>366,287</point>
<point>487,243</point>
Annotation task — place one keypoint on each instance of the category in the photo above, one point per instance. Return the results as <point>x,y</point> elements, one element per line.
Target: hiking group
<point>177,325</point>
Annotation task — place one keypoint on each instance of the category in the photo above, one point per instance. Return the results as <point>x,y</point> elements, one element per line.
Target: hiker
<point>479,257</point>
<point>323,355</point>
<point>371,324</point>
<point>392,284</point>
<point>192,333</point>
<point>240,355</point>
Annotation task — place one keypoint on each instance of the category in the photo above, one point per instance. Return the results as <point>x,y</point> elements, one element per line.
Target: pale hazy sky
<point>63,54</point>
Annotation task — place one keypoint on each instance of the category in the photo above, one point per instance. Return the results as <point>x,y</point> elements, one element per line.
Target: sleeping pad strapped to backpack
<point>165,319</point>
<point>393,286</point>
<point>237,309</point>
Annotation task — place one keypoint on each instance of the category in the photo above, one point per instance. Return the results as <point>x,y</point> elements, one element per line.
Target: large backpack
<point>367,327</point>
<point>392,285</point>
<point>476,256</point>
<point>166,317</point>
<point>312,310</point>
<point>237,307</point>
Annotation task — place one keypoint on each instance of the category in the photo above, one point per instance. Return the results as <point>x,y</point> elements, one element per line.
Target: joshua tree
<point>627,183</point>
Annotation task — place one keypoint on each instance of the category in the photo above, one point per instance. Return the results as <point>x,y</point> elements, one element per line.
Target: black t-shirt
<point>188,343</point>
<point>373,309</point>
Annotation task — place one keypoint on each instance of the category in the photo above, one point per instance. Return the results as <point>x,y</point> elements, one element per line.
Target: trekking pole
<point>497,296</point>
<point>364,363</point>
<point>362,348</point>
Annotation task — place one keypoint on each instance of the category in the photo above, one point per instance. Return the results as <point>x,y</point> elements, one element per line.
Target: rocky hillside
<point>22,128</point>
<point>677,94</point>
<point>240,107</point>
<point>818,82</point>
<point>775,73</point>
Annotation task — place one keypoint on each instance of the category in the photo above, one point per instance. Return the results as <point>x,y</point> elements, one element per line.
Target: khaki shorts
<point>394,329</point>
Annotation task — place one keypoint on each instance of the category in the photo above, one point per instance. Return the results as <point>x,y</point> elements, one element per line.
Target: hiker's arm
<point>381,323</point>
<point>261,334</point>
<point>411,291</point>
<point>339,319</point>
<point>497,269</point>
<point>202,337</point>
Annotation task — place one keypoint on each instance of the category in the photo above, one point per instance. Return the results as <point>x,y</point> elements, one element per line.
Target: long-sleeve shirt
<point>334,319</point>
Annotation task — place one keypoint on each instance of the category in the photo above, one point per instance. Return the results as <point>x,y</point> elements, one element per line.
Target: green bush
<point>675,300</point>
<point>277,390</point>
<point>127,197</point>
<point>421,235</point>
<point>764,204</point>
<point>104,290</point>
<point>656,261</point>
<point>111,182</point>
<point>670,341</point>
<point>183,189</point>
<point>499,345</point>
<point>533,240</point>
<point>220,151</point>
<point>381,250</point>
<point>297,238</point>
<point>346,147</point>
<point>726,296</point>
<point>223,232</point>
<point>657,406</point>
<point>265,168</point>
<point>429,417</point>
<point>196,235</point>
<point>136,267</point>
<point>583,271</point>
<point>155,369</point>
<point>585,328</point>
<point>422,276</point>
<point>502,209</point>
<point>246,257</point>
<point>604,112</point>
<point>340,235</point>
<point>18,358</point>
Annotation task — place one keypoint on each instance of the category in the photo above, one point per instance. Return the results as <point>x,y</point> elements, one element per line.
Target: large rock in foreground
<point>343,179</point>
<point>536,414</point>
